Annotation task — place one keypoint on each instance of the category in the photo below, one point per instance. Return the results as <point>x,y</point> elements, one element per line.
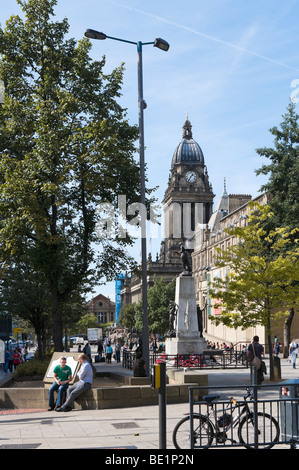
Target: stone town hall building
<point>190,219</point>
<point>188,200</point>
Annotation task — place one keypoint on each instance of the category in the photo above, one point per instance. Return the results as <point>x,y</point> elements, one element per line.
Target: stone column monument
<point>184,335</point>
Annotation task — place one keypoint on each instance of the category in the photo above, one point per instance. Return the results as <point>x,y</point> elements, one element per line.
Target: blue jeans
<point>117,355</point>
<point>60,389</point>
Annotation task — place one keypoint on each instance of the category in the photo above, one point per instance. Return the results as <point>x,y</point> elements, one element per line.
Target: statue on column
<point>173,310</point>
<point>199,320</point>
<point>185,261</point>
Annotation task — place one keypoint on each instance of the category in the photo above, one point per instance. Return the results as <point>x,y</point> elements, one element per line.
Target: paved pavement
<point>122,428</point>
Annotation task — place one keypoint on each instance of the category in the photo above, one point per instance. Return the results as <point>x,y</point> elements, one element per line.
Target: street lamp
<point>164,46</point>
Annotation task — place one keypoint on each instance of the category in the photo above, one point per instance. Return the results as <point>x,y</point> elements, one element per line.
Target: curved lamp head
<point>93,34</point>
<point>161,44</point>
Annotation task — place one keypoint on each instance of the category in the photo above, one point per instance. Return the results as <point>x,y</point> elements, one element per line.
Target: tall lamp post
<point>164,46</point>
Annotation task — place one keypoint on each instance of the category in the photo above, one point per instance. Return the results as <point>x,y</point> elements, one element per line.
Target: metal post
<point>161,44</point>
<point>145,330</point>
<point>162,407</point>
<point>255,410</point>
<point>191,409</point>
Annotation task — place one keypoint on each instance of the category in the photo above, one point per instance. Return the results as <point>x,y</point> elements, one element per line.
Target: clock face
<point>190,176</point>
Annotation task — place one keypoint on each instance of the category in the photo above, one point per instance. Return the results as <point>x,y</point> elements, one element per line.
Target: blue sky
<point>230,66</point>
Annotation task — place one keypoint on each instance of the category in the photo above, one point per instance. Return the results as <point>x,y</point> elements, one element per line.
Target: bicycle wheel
<point>267,431</point>
<point>202,428</point>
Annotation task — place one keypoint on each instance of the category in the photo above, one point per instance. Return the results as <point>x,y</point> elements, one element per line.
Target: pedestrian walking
<point>293,352</point>
<point>6,361</point>
<point>10,360</point>
<point>87,351</point>
<point>294,356</point>
<point>117,352</point>
<point>17,358</point>
<point>109,352</point>
<point>277,348</point>
<point>100,349</point>
<point>254,356</point>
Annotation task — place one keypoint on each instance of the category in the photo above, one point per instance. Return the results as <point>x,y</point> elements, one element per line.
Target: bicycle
<point>206,429</point>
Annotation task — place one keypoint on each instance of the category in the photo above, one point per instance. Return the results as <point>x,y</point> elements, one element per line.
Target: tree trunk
<point>57,332</point>
<point>271,357</point>
<point>57,322</point>
<point>287,333</point>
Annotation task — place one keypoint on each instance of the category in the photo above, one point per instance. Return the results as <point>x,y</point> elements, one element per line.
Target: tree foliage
<point>66,146</point>
<point>282,186</point>
<point>86,321</point>
<point>263,275</point>
<point>158,298</point>
<point>126,317</point>
<point>23,296</point>
<point>283,170</point>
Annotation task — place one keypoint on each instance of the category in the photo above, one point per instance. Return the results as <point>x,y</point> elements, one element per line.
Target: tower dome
<point>188,151</point>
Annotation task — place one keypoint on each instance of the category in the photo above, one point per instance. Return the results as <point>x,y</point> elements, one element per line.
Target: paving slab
<point>120,428</point>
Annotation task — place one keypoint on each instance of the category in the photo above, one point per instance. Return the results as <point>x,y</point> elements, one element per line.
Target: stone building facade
<point>232,210</point>
<point>189,219</point>
<point>103,309</point>
<point>188,201</point>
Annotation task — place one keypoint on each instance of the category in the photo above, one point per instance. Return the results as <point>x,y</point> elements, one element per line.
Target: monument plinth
<point>185,337</point>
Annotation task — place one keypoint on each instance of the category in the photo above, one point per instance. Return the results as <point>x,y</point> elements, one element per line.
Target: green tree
<point>66,146</point>
<point>263,276</point>
<point>282,186</point>
<point>158,299</point>
<point>22,295</point>
<point>283,171</point>
<point>86,321</point>
<point>126,317</point>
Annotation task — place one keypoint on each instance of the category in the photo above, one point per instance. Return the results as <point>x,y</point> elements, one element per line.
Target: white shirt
<point>85,373</point>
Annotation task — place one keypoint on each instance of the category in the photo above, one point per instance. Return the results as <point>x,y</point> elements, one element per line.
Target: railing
<point>254,421</point>
<point>209,359</point>
<point>128,359</point>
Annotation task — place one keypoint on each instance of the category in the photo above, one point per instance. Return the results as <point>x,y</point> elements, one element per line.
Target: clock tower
<point>188,199</point>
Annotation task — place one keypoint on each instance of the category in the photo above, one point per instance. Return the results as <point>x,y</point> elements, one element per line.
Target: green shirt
<point>62,374</point>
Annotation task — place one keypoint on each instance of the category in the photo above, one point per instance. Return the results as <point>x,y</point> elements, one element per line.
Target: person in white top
<point>85,376</point>
<point>294,353</point>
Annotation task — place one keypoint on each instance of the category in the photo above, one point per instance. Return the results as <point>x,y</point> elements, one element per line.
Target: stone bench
<point>96,398</point>
<point>195,377</point>
<point>126,379</point>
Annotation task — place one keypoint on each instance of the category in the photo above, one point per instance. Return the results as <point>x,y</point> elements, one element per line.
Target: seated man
<point>85,376</point>
<point>62,378</point>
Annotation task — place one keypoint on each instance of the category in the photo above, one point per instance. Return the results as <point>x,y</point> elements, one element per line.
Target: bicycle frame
<point>236,419</point>
<point>215,422</point>
<point>211,417</point>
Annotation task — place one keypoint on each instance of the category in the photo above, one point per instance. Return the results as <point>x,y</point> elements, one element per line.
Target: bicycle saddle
<point>210,398</point>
